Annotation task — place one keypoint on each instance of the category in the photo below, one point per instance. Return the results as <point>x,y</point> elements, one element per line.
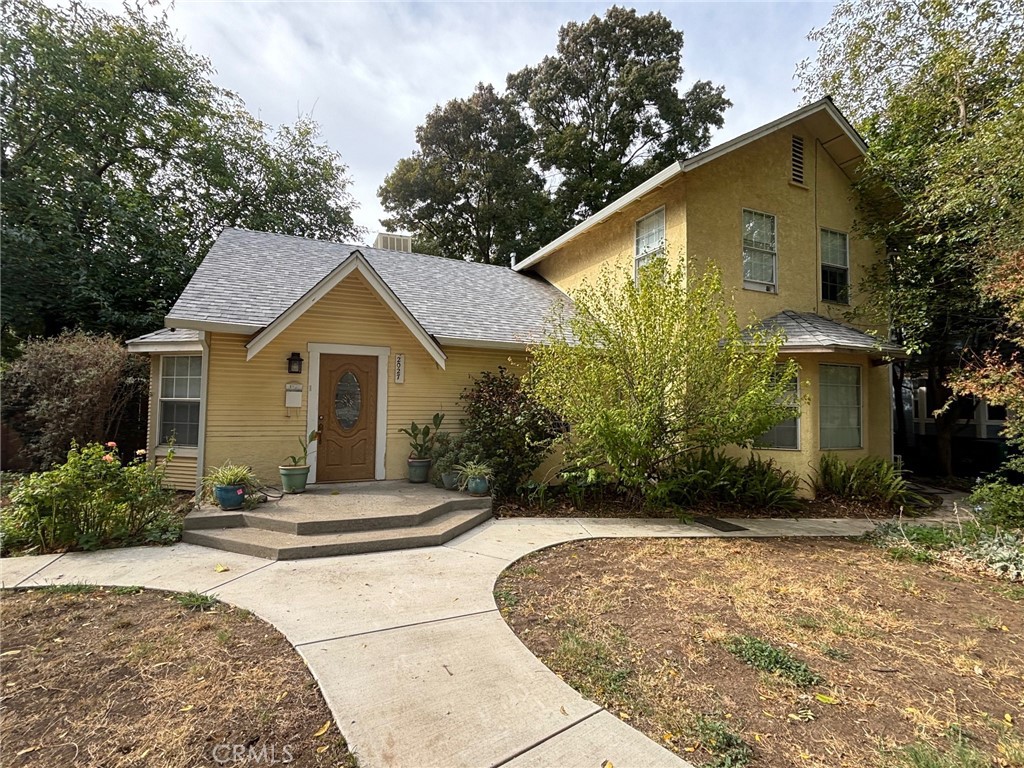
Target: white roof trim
<point>689,164</point>
<point>887,351</point>
<point>162,347</point>
<point>356,262</point>
<point>609,210</point>
<point>211,325</point>
<point>759,133</point>
<point>453,341</point>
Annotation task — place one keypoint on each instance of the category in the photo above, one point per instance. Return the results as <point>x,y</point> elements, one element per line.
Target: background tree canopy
<point>937,89</point>
<point>597,118</point>
<point>121,161</point>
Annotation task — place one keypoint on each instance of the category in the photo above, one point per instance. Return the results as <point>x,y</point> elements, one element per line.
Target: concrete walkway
<point>409,648</point>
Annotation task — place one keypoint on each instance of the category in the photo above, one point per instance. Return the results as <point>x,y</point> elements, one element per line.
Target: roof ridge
<point>356,246</point>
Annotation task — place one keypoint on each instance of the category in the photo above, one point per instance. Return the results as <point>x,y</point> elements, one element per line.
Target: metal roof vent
<point>389,242</point>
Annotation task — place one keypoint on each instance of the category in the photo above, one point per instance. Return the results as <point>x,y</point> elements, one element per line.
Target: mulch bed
<point>907,650</point>
<point>624,507</point>
<point>99,678</point>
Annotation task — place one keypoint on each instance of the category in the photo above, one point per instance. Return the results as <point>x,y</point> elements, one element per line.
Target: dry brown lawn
<point>102,678</point>
<point>909,652</point>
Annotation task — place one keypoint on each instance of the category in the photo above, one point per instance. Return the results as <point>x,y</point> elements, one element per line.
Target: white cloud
<point>370,72</point>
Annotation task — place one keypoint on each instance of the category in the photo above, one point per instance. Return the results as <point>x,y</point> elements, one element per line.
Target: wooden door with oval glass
<point>347,418</point>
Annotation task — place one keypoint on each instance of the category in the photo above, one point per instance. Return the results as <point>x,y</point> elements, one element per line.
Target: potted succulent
<point>229,484</point>
<point>295,475</point>
<point>475,477</point>
<point>422,443</point>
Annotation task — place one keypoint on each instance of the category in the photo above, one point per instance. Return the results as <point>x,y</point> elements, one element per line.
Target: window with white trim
<point>835,267</point>
<point>759,254</point>
<point>650,240</point>
<point>180,382</point>
<point>840,407</point>
<point>786,434</point>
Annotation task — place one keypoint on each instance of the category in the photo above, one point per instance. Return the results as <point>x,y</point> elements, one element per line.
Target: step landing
<point>340,519</point>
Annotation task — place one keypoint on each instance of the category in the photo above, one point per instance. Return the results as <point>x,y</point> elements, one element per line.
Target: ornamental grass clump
<point>91,501</point>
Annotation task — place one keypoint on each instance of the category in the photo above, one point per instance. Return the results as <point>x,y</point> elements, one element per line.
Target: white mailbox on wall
<point>293,395</point>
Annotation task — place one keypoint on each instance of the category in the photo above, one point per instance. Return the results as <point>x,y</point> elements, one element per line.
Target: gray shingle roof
<point>808,330</point>
<point>249,278</point>
<point>166,335</point>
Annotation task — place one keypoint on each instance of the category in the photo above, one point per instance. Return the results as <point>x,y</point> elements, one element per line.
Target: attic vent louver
<point>798,160</point>
<point>388,242</point>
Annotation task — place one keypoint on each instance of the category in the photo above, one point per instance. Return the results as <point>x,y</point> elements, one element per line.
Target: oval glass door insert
<point>348,399</point>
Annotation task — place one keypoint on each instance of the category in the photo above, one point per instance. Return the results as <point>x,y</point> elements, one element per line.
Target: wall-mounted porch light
<point>295,363</point>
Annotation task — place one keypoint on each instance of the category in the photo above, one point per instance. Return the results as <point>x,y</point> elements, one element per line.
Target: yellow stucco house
<point>774,210</point>
<point>275,336</point>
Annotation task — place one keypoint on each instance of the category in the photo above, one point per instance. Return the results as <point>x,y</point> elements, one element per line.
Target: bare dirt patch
<point>906,651</point>
<point>103,678</point>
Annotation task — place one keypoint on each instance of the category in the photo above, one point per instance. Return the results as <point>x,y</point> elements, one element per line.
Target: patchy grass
<point>122,677</point>
<point>195,601</point>
<point>896,656</point>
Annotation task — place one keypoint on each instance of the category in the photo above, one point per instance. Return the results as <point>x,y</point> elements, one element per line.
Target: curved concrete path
<point>409,648</point>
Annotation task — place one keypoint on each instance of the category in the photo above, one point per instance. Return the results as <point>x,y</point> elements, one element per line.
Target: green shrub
<point>1000,551</point>
<point>71,388</point>
<point>999,499</point>
<point>767,658</point>
<point>711,477</point>
<point>91,501</point>
<point>870,479</point>
<point>507,428</point>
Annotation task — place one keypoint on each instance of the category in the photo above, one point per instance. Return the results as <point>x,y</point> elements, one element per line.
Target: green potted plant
<point>229,484</point>
<point>295,475</point>
<point>475,477</point>
<point>422,443</point>
<point>446,455</point>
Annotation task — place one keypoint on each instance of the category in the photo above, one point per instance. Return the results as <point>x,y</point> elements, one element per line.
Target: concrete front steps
<point>340,520</point>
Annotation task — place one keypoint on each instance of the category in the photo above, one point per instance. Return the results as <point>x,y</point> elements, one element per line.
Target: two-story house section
<point>775,210</point>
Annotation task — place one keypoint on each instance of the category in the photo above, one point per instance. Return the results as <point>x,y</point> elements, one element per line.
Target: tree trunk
<point>900,417</point>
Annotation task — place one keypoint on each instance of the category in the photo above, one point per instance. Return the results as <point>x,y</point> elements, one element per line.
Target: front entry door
<point>347,418</point>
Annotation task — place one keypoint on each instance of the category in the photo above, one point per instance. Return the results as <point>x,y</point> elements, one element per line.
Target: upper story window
<point>835,267</point>
<point>797,167</point>
<point>759,256</point>
<point>650,239</point>
<point>180,382</point>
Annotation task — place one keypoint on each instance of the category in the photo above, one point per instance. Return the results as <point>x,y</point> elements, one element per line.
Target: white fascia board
<point>210,325</point>
<point>165,347</point>
<point>611,209</point>
<point>453,341</point>
<point>831,349</point>
<point>356,262</point>
<point>825,105</point>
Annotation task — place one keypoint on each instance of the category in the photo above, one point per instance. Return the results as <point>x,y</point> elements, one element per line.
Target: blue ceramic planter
<point>229,496</point>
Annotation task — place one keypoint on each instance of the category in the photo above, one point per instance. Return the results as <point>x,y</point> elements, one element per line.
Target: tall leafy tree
<point>607,109</point>
<point>936,88</point>
<point>470,190</point>
<point>121,161</point>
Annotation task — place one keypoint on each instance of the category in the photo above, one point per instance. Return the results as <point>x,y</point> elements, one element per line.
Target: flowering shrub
<point>93,500</point>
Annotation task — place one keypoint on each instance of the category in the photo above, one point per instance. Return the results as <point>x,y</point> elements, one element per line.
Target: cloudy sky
<point>370,71</point>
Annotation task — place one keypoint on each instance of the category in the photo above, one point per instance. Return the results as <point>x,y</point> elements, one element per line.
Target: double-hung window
<point>650,240</point>
<point>840,407</point>
<point>180,381</point>
<point>835,267</point>
<point>786,434</point>
<point>759,254</point>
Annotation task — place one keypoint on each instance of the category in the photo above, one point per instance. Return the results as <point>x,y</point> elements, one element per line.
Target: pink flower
<point>107,457</point>
<point>111,444</point>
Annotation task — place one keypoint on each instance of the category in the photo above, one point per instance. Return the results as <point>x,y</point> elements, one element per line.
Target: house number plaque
<point>399,369</point>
